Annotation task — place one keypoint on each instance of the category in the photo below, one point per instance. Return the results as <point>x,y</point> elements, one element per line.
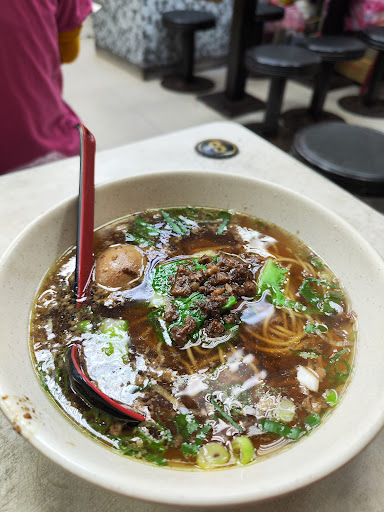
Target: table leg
<point>241,33</point>
<point>234,101</point>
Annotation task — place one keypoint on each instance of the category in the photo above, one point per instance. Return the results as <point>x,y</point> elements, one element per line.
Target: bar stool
<point>331,49</point>
<point>279,62</point>
<point>265,12</point>
<point>351,156</point>
<point>370,104</point>
<point>186,23</point>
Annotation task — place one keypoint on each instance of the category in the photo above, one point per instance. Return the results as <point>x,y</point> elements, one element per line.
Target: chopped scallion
<point>282,430</point>
<point>225,415</point>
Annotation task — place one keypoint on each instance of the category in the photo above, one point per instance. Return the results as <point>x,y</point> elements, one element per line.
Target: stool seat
<point>188,20</point>
<point>349,155</point>
<point>374,37</point>
<point>268,12</point>
<point>185,23</point>
<point>336,48</point>
<point>282,60</point>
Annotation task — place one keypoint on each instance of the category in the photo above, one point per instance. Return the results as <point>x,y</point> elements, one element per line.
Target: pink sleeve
<point>72,13</point>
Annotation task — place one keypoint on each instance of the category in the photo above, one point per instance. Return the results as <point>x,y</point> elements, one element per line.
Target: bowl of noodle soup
<point>250,348</point>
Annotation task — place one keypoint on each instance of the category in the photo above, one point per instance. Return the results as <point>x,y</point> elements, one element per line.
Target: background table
<point>31,483</point>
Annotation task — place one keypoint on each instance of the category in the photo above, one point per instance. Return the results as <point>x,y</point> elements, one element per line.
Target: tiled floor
<point>119,107</point>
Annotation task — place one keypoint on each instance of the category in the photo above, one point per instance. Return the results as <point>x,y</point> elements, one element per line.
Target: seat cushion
<point>188,20</point>
<point>334,48</point>
<point>374,37</point>
<point>282,60</point>
<point>351,155</point>
<point>269,12</point>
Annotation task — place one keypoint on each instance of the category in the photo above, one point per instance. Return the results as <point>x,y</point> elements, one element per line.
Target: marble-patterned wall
<point>133,30</point>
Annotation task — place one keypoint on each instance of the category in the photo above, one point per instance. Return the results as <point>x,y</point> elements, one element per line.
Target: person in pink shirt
<point>36,124</point>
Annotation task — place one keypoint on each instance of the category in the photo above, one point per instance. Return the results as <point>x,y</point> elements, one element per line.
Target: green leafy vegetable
<point>224,415</point>
<point>98,420</point>
<point>129,237</point>
<point>312,420</point>
<point>223,226</point>
<point>155,318</point>
<point>308,353</point>
<point>114,328</point>
<point>176,225</point>
<point>145,229</point>
<point>230,302</point>
<point>282,430</point>
<point>335,366</point>
<point>332,397</point>
<point>109,349</point>
<point>321,303</point>
<point>271,281</point>
<point>315,328</point>
<point>193,448</point>
<point>315,262</point>
<point>160,277</point>
<point>43,379</point>
<point>143,233</point>
<point>186,425</point>
<point>84,326</point>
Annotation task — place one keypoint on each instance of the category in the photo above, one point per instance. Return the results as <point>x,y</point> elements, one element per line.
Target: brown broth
<point>249,381</point>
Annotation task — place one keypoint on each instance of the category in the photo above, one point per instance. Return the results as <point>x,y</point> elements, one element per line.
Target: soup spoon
<point>91,394</point>
<point>80,383</point>
<point>85,216</point>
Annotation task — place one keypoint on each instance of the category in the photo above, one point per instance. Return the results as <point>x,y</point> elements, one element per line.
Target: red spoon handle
<point>85,222</point>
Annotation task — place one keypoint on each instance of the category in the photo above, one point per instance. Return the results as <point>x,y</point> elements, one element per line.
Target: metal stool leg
<point>188,52</point>
<point>370,96</point>
<point>322,80</point>
<point>275,100</point>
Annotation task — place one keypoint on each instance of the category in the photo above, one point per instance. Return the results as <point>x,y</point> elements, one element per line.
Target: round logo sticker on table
<point>217,148</point>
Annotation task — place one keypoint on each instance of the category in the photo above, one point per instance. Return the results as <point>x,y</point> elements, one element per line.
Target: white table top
<point>29,482</point>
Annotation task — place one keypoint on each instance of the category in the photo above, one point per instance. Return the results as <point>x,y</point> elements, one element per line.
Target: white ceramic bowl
<point>352,425</point>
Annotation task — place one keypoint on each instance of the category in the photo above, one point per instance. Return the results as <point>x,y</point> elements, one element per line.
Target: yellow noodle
<point>266,322</point>
<point>292,260</point>
<point>284,333</point>
<point>188,366</point>
<point>204,351</point>
<point>254,368</point>
<point>285,323</point>
<point>291,341</point>
<point>222,360</point>
<point>166,395</point>
<point>191,356</point>
<point>159,351</point>
<point>283,330</point>
<point>280,351</point>
<point>213,358</point>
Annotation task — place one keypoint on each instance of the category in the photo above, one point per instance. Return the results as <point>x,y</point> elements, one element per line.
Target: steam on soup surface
<point>229,335</point>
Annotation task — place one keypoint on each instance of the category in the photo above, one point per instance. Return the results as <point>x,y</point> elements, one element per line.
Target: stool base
<point>298,118</point>
<point>355,105</point>
<point>218,101</point>
<point>179,84</point>
<point>282,138</point>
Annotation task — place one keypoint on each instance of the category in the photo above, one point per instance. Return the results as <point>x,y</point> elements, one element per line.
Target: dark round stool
<point>351,156</point>
<point>331,49</point>
<point>264,13</point>
<point>279,62</point>
<point>186,23</point>
<point>370,104</point>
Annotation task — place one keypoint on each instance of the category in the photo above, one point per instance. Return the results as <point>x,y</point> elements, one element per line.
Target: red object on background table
<point>86,209</point>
